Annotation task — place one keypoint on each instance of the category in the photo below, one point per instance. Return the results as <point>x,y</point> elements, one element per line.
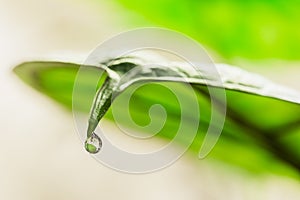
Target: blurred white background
<point>41,156</point>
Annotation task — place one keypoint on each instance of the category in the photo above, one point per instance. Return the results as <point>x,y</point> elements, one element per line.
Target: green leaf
<point>261,134</point>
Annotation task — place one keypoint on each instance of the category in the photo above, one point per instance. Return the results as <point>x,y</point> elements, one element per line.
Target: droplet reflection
<point>93,144</point>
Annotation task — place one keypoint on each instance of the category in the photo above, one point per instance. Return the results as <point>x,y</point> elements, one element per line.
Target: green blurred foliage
<point>255,29</point>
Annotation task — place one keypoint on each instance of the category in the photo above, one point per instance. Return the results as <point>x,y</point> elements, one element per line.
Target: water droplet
<point>93,144</point>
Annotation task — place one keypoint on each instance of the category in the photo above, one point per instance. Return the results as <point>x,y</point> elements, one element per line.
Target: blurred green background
<point>256,29</point>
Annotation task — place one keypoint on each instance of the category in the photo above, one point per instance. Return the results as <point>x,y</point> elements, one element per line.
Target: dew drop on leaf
<point>93,144</point>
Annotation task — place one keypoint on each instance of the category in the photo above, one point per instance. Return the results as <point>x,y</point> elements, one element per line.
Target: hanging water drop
<point>93,144</point>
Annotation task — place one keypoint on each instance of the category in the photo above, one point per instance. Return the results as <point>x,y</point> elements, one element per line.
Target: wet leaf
<point>261,132</point>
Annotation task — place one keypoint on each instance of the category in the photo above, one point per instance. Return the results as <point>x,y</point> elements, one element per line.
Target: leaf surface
<point>262,128</point>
